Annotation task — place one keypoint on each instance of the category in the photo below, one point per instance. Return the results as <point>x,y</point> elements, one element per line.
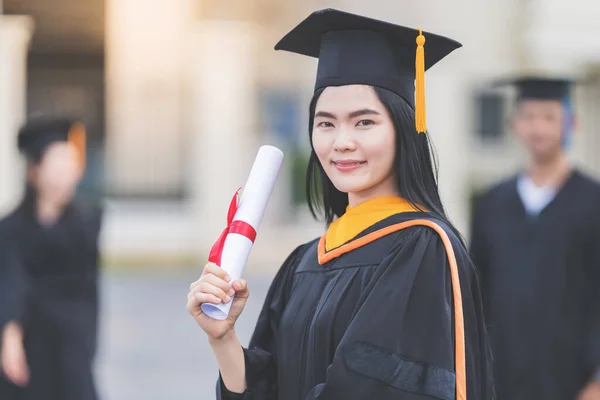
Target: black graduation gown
<point>48,283</point>
<point>540,278</point>
<point>376,322</point>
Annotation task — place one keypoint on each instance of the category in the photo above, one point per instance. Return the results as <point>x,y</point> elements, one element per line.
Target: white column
<point>145,49</point>
<point>15,33</point>
<point>223,144</point>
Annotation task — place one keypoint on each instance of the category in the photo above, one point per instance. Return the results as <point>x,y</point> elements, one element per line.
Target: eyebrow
<point>325,114</point>
<point>353,114</point>
<point>364,111</point>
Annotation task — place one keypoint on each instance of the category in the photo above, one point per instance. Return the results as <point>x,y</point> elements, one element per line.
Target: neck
<point>381,190</point>
<point>48,212</point>
<point>551,171</point>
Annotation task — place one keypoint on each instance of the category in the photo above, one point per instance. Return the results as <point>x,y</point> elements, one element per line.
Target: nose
<point>536,124</point>
<point>344,142</point>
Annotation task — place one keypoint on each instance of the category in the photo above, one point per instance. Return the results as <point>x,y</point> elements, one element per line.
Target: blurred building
<point>179,94</point>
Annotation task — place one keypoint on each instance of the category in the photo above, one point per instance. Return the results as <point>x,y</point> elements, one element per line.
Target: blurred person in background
<point>536,243</point>
<point>382,306</point>
<point>49,272</point>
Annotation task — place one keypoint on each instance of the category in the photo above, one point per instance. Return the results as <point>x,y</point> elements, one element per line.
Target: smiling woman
<point>400,162</point>
<point>384,304</point>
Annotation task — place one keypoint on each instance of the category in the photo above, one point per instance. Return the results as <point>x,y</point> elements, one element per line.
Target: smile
<point>348,165</point>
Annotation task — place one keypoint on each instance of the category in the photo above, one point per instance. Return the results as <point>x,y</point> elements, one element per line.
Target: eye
<point>325,124</point>
<point>365,122</point>
<point>526,115</point>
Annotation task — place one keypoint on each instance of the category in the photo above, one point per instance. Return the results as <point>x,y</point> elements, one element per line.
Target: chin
<point>544,154</point>
<point>350,187</point>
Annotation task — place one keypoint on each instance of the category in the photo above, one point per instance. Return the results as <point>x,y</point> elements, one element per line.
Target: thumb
<point>239,301</point>
<point>16,371</point>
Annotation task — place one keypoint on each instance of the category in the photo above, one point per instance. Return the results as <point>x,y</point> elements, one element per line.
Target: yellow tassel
<point>420,114</point>
<point>77,138</point>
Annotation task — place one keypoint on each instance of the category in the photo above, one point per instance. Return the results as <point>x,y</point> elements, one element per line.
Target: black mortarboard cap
<point>542,88</point>
<point>353,49</point>
<point>37,134</point>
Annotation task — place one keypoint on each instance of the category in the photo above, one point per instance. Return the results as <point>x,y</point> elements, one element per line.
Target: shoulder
<point>436,243</point>
<point>88,207</point>
<point>587,184</point>
<point>498,193</point>
<point>420,226</point>
<point>5,224</point>
<point>584,197</point>
<point>410,230</point>
<point>299,252</point>
<point>88,211</point>
<point>9,237</point>
<point>281,284</point>
<point>8,222</point>
<point>87,217</point>
<point>436,231</point>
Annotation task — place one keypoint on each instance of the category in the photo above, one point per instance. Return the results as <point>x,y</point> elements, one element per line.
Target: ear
<point>511,120</point>
<point>32,172</point>
<point>574,123</point>
<point>80,172</point>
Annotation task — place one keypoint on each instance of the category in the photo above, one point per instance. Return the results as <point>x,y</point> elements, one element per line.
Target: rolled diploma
<point>253,203</point>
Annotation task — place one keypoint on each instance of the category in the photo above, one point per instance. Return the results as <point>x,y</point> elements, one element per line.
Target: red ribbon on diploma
<point>239,227</point>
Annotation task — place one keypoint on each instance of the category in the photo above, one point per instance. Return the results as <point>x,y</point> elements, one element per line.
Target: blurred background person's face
<point>57,174</point>
<point>540,124</point>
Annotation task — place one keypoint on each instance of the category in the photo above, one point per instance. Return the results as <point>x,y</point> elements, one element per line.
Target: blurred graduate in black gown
<point>49,272</point>
<point>536,241</point>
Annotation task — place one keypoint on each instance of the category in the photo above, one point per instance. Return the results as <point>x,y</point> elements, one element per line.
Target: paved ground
<point>151,349</point>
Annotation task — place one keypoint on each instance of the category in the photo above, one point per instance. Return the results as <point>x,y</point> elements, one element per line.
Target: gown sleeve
<point>260,356</point>
<point>94,225</point>
<point>593,278</point>
<point>478,243</point>
<point>479,251</point>
<point>12,278</point>
<point>400,344</point>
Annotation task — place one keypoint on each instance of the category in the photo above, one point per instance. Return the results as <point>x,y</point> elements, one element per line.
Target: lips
<point>347,165</point>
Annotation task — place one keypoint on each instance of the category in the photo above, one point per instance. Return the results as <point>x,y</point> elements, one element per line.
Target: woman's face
<point>58,173</point>
<point>354,139</point>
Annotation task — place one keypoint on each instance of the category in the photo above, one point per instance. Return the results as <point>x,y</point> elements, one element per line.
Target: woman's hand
<point>214,287</point>
<point>13,361</point>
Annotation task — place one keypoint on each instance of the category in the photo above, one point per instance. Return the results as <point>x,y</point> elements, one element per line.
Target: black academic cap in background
<point>38,133</point>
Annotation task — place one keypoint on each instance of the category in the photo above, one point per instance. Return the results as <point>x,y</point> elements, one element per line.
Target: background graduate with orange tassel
<point>49,272</point>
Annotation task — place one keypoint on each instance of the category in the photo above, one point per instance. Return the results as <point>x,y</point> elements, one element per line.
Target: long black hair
<point>415,165</point>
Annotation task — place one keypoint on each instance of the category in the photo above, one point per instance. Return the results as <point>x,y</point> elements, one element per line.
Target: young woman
<point>384,305</point>
<point>48,273</point>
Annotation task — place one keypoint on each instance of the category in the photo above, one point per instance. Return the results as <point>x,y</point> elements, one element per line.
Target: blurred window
<point>490,110</point>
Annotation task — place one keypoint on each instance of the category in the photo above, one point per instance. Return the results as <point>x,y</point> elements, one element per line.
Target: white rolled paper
<point>253,203</point>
